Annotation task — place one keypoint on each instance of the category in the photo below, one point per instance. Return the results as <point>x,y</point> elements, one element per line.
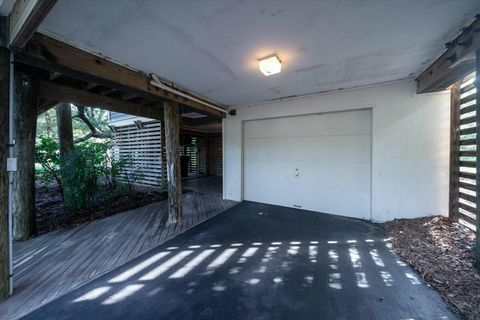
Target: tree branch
<point>94,132</point>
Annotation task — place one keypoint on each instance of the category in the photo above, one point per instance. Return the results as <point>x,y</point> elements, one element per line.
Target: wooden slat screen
<point>463,161</point>
<point>144,145</point>
<point>196,152</point>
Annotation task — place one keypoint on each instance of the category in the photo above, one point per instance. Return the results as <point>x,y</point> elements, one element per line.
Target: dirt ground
<point>51,215</point>
<point>441,251</point>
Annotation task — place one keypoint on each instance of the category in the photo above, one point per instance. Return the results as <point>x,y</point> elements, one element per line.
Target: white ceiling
<point>212,47</point>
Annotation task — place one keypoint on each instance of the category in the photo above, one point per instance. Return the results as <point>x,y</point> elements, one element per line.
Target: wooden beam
<point>199,121</point>
<point>4,112</point>
<point>25,124</point>
<point>53,55</point>
<point>25,17</point>
<point>174,176</point>
<point>45,105</point>
<point>454,64</point>
<point>477,116</point>
<point>59,93</point>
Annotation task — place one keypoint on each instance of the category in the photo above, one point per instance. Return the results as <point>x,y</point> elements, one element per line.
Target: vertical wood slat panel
<point>477,84</point>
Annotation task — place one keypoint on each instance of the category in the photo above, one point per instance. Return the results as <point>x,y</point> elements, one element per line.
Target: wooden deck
<point>53,264</point>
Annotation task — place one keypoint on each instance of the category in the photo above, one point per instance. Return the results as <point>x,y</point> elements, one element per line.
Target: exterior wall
<point>214,156</point>
<point>410,144</point>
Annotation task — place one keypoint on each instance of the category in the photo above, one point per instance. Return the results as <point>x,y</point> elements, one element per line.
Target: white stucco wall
<point>410,144</point>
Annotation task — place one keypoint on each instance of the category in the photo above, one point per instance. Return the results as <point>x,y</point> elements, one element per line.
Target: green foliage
<point>89,167</point>
<point>47,123</point>
<point>76,179</point>
<point>47,154</point>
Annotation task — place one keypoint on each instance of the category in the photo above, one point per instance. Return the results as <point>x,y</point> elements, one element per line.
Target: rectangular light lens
<point>270,65</point>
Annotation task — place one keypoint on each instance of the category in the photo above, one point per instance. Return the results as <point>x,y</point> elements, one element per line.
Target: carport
<point>335,116</point>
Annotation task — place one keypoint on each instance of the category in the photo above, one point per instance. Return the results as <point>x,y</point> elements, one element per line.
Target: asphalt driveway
<point>258,261</point>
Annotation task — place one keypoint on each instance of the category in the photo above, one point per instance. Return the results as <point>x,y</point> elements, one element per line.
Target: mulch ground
<point>441,251</point>
<point>51,215</point>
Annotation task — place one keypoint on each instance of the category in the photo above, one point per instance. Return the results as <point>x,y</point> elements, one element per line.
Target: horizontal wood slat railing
<point>463,185</point>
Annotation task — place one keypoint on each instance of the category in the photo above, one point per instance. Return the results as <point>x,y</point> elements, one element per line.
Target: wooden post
<point>454,149</point>
<point>25,125</point>
<point>477,109</point>
<point>163,156</point>
<point>4,99</point>
<point>64,126</point>
<point>172,139</point>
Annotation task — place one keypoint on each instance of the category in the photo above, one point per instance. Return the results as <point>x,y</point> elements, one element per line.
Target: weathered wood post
<point>163,155</point>
<point>64,127</point>
<point>25,125</point>
<point>4,99</point>
<point>174,177</point>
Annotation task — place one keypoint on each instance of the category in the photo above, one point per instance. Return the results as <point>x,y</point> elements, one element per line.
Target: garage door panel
<point>269,192</point>
<point>345,175</point>
<point>339,123</point>
<point>351,203</point>
<point>342,202</point>
<point>332,153</point>
<point>319,148</point>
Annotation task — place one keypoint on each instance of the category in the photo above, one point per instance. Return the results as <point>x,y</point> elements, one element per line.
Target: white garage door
<point>318,162</point>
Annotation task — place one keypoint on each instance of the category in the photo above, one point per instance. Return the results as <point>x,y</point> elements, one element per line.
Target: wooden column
<point>454,149</point>
<point>64,126</point>
<point>163,155</point>
<point>25,125</point>
<point>477,109</point>
<point>174,177</point>
<point>4,98</point>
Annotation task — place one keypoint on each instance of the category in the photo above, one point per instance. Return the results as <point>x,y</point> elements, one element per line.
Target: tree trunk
<point>25,124</point>
<point>172,140</point>
<point>65,135</point>
<point>64,126</point>
<point>48,121</point>
<point>4,99</point>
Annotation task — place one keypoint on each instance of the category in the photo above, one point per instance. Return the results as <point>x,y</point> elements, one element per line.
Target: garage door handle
<point>297,173</point>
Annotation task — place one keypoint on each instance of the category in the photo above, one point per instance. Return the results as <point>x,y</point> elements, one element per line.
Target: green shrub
<point>47,154</point>
<point>81,172</point>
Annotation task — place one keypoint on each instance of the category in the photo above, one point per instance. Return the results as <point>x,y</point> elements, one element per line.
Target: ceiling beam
<point>55,92</point>
<point>454,64</point>
<point>192,122</point>
<point>57,56</point>
<point>24,19</point>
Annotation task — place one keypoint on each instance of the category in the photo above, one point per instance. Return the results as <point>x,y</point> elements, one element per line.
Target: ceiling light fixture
<point>270,65</point>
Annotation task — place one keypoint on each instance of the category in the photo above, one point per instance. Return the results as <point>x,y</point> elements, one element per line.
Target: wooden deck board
<point>55,263</point>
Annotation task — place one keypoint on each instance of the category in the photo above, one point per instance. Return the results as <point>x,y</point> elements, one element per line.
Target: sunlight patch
<point>139,267</point>
<point>162,268</point>
<point>123,294</point>
<point>92,294</point>
<point>180,273</point>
